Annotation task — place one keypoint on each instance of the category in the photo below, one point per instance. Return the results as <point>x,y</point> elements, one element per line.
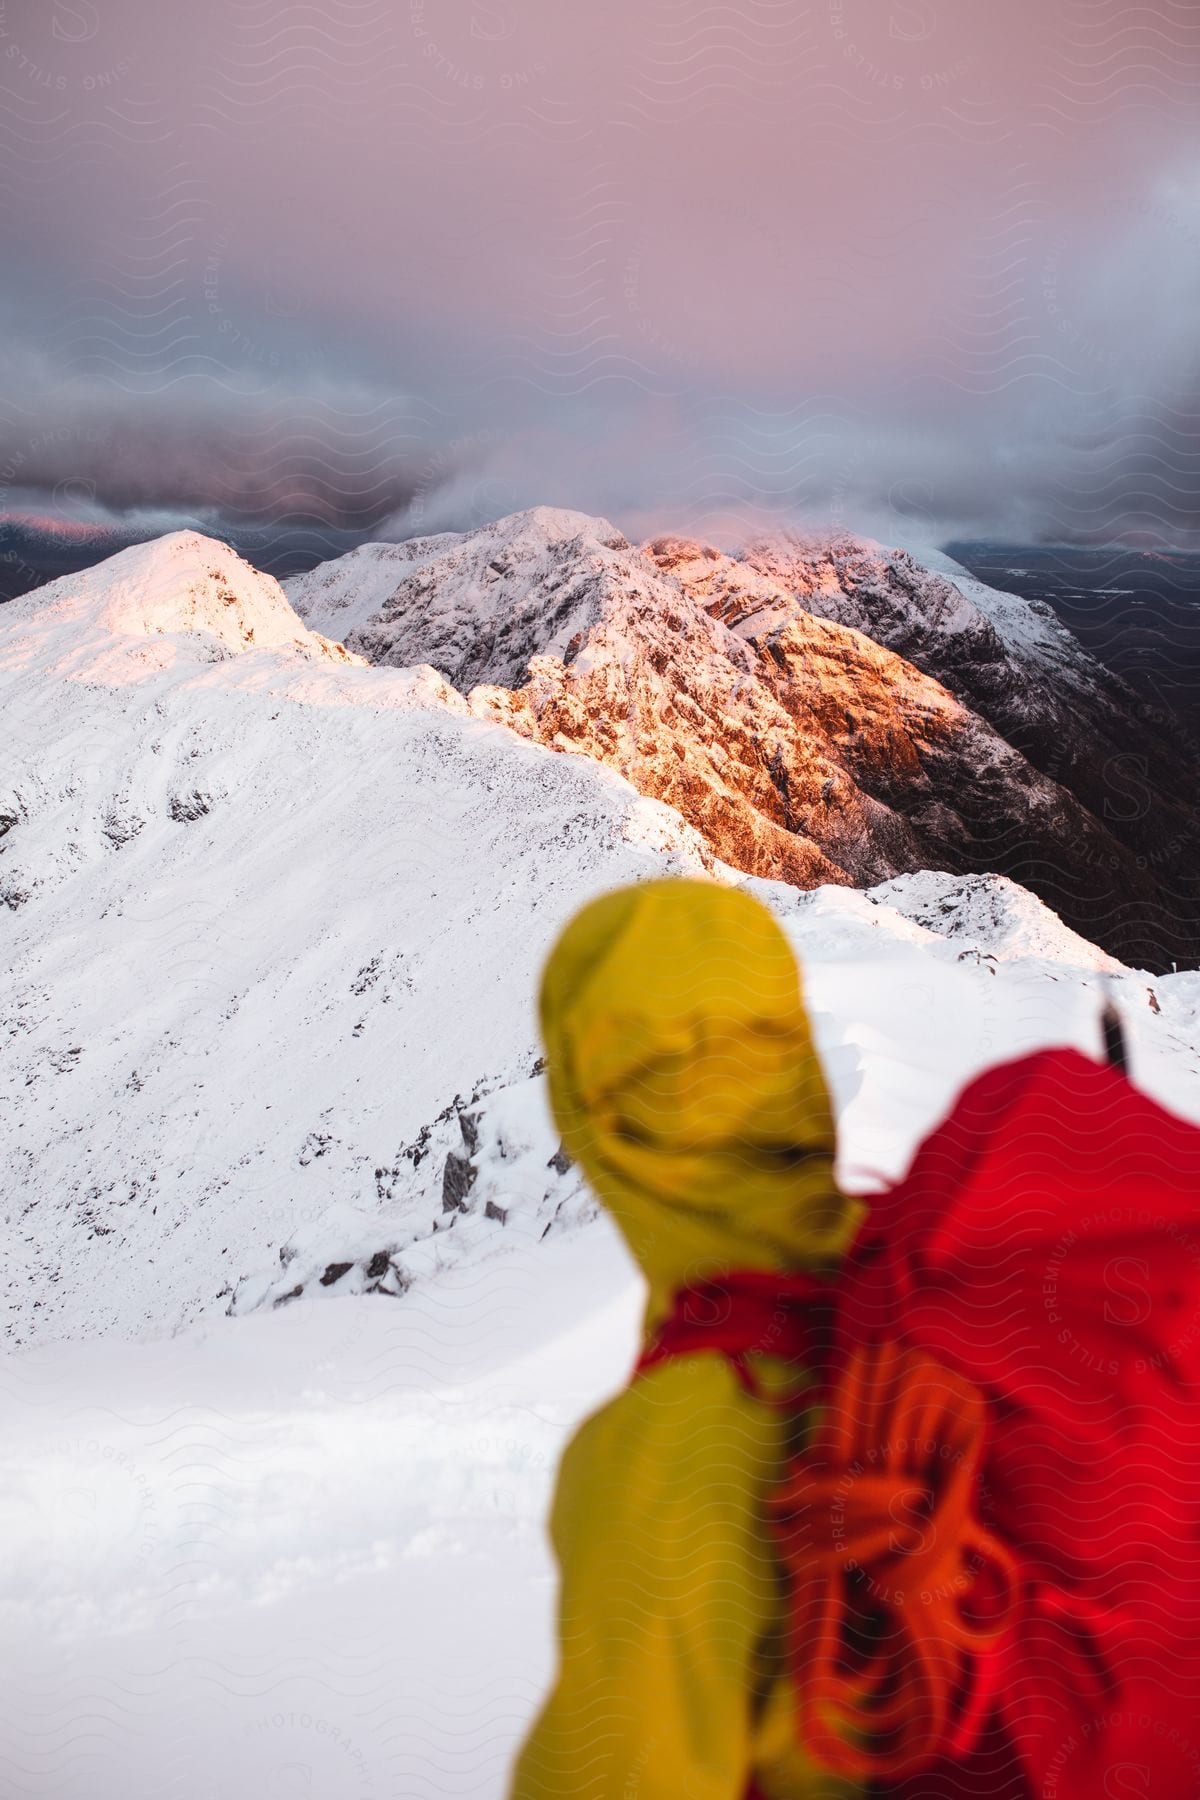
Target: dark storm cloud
<point>928,266</point>
<point>333,458</point>
<point>279,466</point>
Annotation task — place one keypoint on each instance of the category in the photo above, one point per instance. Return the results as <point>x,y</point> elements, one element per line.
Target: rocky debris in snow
<point>367,976</point>
<point>184,808</point>
<point>991,910</point>
<point>458,1178</point>
<point>121,825</point>
<point>315,1145</point>
<point>514,1176</point>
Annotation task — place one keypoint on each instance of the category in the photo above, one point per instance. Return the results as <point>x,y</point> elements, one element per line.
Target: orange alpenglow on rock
<point>684,1080</point>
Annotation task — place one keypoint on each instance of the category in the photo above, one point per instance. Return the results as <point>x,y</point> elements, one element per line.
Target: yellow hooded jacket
<point>684,1081</point>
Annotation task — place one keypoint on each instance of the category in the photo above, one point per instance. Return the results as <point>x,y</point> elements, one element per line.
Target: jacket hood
<point>684,1082</point>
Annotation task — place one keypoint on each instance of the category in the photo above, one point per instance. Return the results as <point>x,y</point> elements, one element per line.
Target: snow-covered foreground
<point>299,1554</point>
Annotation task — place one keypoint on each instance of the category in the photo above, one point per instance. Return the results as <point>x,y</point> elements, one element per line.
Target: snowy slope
<point>300,1556</point>
<point>267,917</point>
<point>179,597</point>
<point>915,984</point>
<point>341,596</point>
<point>922,601</point>
<point>303,1552</point>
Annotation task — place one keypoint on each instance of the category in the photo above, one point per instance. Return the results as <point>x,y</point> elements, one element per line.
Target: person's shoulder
<point>674,1404</point>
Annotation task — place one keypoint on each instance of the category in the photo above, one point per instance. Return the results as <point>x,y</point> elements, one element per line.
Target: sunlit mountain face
<point>1137,610</point>
<point>820,708</point>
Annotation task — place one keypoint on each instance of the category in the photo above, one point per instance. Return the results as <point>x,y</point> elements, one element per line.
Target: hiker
<point>891,1503</point>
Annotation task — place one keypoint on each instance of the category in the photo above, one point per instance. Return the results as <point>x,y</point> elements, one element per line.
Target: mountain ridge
<point>821,710</point>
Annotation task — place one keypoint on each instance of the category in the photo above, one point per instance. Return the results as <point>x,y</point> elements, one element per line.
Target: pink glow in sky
<point>872,258</point>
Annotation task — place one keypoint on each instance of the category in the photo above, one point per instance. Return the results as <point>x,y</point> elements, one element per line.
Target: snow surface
<point>274,925</point>
<point>301,1554</point>
<point>268,917</point>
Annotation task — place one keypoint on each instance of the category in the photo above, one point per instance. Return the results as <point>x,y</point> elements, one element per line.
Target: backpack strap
<point>750,1313</point>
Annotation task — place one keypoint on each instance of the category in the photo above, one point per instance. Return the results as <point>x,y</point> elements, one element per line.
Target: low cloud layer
<point>926,269</point>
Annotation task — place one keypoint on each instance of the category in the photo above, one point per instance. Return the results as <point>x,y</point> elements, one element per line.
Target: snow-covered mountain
<point>182,597</point>
<point>275,916</point>
<point>835,714</point>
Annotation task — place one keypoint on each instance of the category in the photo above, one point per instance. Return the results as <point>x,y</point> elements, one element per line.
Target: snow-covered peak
<point>478,604</point>
<point>992,916</point>
<point>558,524</point>
<point>182,596</point>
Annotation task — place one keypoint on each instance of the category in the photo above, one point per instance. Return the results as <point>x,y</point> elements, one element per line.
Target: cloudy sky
<point>928,268</point>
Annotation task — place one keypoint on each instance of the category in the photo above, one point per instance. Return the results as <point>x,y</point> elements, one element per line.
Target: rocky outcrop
<point>475,606</point>
<point>483,1168</point>
<point>1011,661</point>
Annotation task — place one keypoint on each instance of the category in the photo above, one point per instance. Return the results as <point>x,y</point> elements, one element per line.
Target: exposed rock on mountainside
<point>801,748</point>
<point>492,1165</point>
<point>478,605</point>
<point>1011,661</point>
